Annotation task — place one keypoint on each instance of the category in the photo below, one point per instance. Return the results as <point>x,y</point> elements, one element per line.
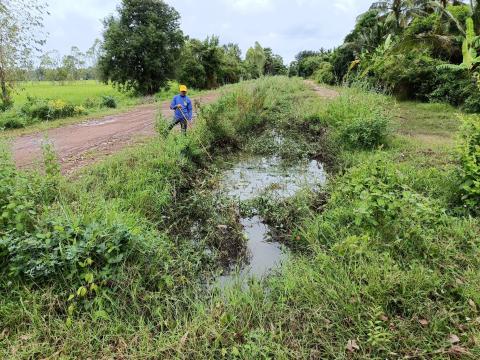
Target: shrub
<point>472,103</point>
<point>12,120</point>
<point>469,152</point>
<point>44,109</point>
<point>365,132</point>
<point>90,103</point>
<point>455,87</point>
<point>324,74</point>
<point>408,75</point>
<point>373,208</point>
<point>109,102</point>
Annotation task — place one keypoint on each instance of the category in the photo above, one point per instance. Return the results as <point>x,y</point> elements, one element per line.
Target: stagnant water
<point>248,179</point>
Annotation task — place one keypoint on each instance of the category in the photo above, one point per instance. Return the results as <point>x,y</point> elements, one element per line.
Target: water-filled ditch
<point>248,179</point>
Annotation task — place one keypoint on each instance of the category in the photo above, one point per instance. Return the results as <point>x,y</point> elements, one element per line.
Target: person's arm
<point>173,105</point>
<point>190,110</point>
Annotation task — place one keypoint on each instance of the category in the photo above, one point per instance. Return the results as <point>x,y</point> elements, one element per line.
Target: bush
<point>90,103</point>
<point>472,103</point>
<point>408,75</point>
<point>366,132</point>
<point>12,120</point>
<point>373,208</point>
<point>109,102</point>
<point>44,109</point>
<point>324,74</point>
<point>469,151</point>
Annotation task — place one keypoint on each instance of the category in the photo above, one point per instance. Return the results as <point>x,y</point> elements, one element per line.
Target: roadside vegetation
<point>415,50</point>
<point>116,262</point>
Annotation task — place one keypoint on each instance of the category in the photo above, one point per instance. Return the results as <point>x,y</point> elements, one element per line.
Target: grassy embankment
<point>385,262</point>
<point>88,96</point>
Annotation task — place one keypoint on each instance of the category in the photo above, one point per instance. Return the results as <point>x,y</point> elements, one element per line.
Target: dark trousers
<point>182,122</point>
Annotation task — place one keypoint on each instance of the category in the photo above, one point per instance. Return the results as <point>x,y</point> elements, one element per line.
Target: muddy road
<point>81,144</point>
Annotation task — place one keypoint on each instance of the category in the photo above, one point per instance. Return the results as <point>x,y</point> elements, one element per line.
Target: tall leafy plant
<point>471,58</point>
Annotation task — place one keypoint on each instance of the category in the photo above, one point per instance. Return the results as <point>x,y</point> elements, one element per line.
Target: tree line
<point>144,47</point>
<point>417,49</point>
<point>52,66</point>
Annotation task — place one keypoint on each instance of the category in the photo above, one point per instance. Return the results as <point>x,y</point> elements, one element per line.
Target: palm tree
<point>397,12</point>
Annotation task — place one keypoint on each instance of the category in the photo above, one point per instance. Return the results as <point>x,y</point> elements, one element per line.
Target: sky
<point>287,26</point>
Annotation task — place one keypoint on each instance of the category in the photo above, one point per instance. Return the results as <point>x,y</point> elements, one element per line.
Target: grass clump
<point>361,121</point>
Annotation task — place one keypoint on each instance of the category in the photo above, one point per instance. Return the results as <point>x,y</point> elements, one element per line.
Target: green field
<point>85,95</point>
<point>74,91</point>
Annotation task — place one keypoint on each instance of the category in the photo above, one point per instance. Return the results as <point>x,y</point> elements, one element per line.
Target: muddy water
<point>248,179</point>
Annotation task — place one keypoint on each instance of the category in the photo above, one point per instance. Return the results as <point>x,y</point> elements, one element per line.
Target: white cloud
<point>251,6</point>
<point>345,5</point>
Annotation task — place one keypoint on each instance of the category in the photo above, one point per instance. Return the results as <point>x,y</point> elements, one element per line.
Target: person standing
<point>182,105</point>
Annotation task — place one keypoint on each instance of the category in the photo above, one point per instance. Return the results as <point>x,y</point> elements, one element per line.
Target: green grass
<point>384,265</point>
<point>75,91</point>
<point>87,94</point>
<point>431,119</point>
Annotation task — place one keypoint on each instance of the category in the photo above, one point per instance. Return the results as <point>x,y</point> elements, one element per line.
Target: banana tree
<point>471,57</point>
<point>475,5</point>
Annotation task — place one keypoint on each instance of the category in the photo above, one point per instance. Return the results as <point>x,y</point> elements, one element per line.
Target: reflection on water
<point>250,177</point>
<point>262,253</point>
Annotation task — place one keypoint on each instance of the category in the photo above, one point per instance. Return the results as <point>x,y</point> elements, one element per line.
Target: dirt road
<point>321,91</point>
<point>81,144</point>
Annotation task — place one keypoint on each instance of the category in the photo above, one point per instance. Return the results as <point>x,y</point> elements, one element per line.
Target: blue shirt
<point>187,108</point>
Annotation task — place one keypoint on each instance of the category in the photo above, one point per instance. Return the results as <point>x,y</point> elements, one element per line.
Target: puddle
<point>247,180</point>
<point>261,255</point>
<point>98,122</point>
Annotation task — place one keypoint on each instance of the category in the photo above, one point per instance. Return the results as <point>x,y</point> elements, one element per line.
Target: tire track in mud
<point>81,144</point>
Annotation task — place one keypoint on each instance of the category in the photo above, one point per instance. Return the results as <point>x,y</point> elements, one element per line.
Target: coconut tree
<point>399,13</point>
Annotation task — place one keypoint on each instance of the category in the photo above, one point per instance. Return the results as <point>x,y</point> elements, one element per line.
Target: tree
<point>274,64</point>
<point>92,56</point>
<point>475,5</point>
<point>21,24</point>
<point>293,69</point>
<point>192,71</point>
<point>471,58</point>
<point>93,53</point>
<point>202,63</point>
<point>211,57</point>
<point>399,13</point>
<point>255,60</point>
<point>307,61</point>
<point>141,46</point>
<point>232,70</point>
<point>368,33</point>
